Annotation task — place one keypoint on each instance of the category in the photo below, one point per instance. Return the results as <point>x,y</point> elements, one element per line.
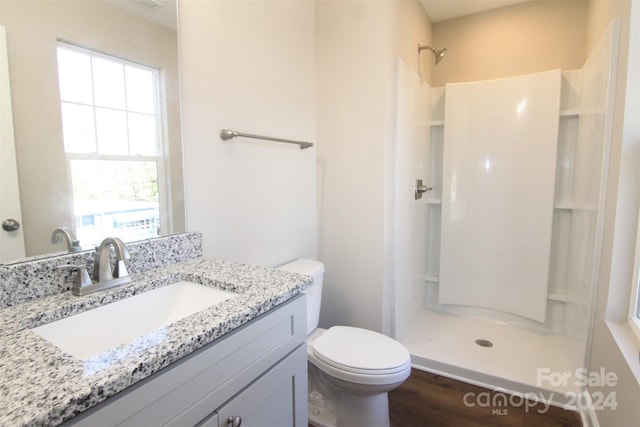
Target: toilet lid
<point>360,351</point>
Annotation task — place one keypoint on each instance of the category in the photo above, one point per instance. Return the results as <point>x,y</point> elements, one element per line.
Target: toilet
<point>350,370</point>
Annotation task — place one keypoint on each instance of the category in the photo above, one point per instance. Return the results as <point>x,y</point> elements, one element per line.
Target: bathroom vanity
<point>241,361</point>
<point>248,376</point>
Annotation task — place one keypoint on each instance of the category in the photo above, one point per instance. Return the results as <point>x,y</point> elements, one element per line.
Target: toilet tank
<point>314,269</point>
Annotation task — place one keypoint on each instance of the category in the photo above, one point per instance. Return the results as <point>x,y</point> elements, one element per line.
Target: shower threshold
<point>493,355</point>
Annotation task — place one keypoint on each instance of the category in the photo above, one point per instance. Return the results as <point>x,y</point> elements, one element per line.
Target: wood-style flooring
<point>427,400</point>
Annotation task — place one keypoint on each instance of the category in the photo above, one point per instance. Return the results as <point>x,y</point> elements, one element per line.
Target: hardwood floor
<point>427,400</point>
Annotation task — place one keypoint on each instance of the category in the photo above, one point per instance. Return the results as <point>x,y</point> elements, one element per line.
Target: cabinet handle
<point>234,421</point>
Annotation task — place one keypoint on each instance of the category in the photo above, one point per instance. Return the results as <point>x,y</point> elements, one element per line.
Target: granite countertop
<point>43,385</point>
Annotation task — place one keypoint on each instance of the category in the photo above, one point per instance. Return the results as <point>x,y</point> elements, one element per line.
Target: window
<point>111,126</point>
<point>634,319</point>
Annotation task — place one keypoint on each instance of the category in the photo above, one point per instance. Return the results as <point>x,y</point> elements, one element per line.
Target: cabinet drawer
<point>207,378</point>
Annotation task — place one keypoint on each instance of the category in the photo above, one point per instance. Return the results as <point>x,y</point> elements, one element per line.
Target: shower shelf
<point>557,297</point>
<point>437,123</point>
<point>574,206</point>
<point>570,113</point>
<point>430,278</point>
<point>552,297</point>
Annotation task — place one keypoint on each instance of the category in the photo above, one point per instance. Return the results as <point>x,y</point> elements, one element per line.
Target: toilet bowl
<point>350,370</point>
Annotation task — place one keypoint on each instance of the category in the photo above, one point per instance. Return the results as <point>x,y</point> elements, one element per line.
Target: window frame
<point>634,300</point>
<point>164,202</point>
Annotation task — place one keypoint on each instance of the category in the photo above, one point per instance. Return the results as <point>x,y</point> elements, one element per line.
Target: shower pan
<point>508,295</point>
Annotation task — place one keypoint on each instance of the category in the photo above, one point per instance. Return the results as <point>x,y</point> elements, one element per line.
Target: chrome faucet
<point>103,276</point>
<point>63,234</point>
<point>101,265</point>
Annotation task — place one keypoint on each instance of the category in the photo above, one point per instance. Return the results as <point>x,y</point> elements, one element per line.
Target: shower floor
<point>445,344</point>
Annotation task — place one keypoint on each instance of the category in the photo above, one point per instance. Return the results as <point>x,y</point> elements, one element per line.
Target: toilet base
<point>365,411</point>
<point>352,411</point>
<point>321,416</point>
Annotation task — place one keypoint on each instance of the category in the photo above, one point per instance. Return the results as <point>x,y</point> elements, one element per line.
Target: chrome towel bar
<point>226,134</point>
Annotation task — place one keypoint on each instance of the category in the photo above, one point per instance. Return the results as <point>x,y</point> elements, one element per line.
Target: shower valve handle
<point>419,189</point>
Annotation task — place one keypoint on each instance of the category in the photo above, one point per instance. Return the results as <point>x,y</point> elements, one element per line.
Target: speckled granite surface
<point>42,385</point>
<point>40,277</point>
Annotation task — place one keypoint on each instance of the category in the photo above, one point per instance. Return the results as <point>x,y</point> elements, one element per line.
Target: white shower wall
<point>555,294</point>
<point>499,164</point>
<point>578,208</point>
<point>588,190</point>
<point>413,100</point>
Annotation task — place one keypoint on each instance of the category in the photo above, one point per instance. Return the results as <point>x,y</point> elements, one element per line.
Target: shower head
<point>439,54</point>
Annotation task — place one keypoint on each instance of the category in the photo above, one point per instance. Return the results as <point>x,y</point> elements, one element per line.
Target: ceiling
<point>161,12</point>
<point>438,10</point>
<point>441,10</point>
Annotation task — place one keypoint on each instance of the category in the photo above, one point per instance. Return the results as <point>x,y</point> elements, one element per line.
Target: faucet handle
<point>82,279</point>
<point>120,270</point>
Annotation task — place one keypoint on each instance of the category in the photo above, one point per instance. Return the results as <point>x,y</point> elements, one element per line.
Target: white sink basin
<point>95,331</point>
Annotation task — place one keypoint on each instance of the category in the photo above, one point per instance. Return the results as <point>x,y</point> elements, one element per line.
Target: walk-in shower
<point>496,267</point>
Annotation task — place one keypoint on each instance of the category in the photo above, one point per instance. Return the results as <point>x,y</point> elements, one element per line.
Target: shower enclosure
<point>496,266</point>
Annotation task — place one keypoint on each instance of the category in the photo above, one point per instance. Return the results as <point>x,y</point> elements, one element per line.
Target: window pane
<point>110,108</point>
<point>142,134</point>
<point>140,90</point>
<point>78,128</point>
<point>111,127</point>
<point>115,198</point>
<point>108,82</point>
<point>74,76</point>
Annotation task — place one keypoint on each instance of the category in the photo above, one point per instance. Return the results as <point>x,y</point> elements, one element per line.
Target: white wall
<point>510,41</point>
<point>352,44</point>
<point>249,66</point>
<point>356,46</point>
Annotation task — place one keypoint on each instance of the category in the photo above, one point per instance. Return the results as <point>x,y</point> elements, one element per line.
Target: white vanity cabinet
<point>269,401</point>
<point>254,376</point>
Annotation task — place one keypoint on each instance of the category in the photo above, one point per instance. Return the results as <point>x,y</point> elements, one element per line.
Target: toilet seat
<point>360,356</point>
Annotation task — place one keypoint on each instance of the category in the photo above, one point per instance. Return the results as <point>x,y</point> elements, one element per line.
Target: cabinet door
<point>272,401</point>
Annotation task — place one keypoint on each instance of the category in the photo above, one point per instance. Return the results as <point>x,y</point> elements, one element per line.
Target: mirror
<point>139,32</point>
